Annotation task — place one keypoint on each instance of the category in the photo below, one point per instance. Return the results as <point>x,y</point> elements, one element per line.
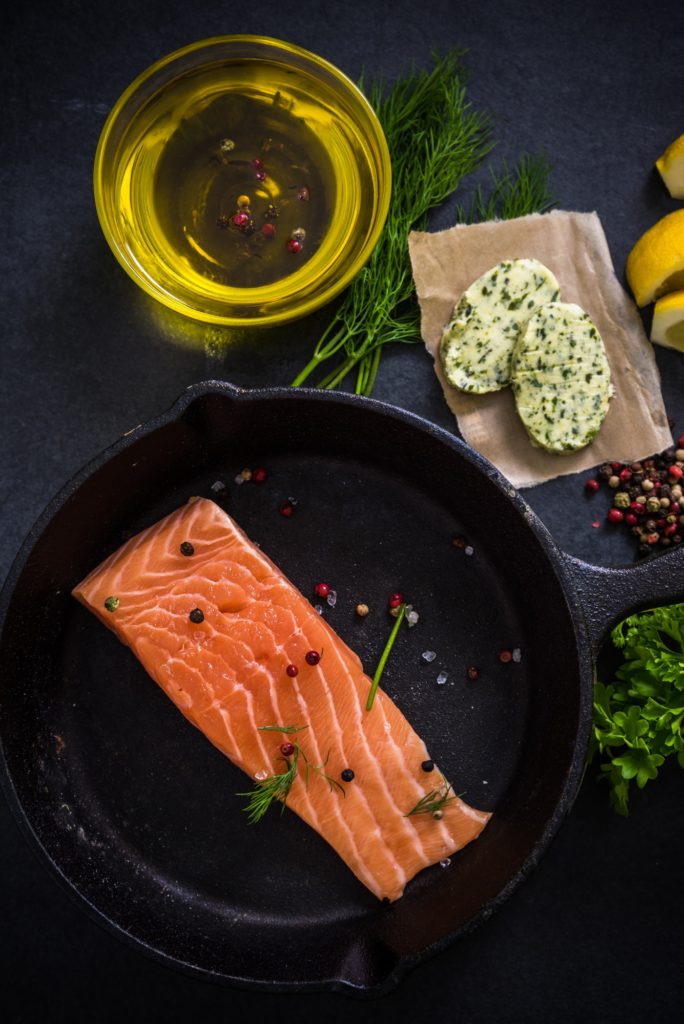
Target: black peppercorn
<point>196,616</point>
<point>347,775</point>
<point>186,548</point>
<point>428,766</point>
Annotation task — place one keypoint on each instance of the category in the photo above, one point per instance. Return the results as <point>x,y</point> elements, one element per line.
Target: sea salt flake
<point>469,549</point>
<point>318,608</point>
<point>239,479</point>
<point>260,776</point>
<point>429,656</point>
<point>516,654</point>
<point>442,678</point>
<point>332,598</point>
<point>445,863</point>
<point>218,485</point>
<point>412,617</point>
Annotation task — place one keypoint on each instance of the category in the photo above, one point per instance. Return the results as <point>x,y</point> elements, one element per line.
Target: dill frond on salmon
<point>217,625</point>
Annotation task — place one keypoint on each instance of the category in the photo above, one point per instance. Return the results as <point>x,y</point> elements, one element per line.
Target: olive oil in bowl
<point>242,180</point>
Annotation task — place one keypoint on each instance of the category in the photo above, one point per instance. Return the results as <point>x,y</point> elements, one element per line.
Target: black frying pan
<point>137,812</point>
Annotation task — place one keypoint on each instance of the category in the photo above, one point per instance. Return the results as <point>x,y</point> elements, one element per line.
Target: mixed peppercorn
<point>648,497</point>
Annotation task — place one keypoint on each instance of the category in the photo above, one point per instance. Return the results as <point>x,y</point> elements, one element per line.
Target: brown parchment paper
<point>574,247</point>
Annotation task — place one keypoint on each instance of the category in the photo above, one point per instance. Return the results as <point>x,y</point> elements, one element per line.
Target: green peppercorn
<point>647,485</point>
<point>112,603</point>
<point>653,505</point>
<point>621,499</point>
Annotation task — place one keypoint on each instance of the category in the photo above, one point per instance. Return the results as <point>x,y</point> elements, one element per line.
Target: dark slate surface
<point>85,356</point>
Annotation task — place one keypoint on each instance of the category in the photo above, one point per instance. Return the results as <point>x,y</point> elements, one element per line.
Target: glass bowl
<point>242,180</point>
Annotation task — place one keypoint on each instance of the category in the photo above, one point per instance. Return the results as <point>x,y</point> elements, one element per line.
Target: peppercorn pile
<point>648,497</point>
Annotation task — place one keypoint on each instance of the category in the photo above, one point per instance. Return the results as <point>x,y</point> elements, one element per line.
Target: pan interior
<point>140,813</point>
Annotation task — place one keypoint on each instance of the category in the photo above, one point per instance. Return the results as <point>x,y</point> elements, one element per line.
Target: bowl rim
<point>310,301</point>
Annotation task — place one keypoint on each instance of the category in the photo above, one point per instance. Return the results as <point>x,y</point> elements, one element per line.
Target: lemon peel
<point>655,266</point>
<point>671,167</point>
<point>668,321</point>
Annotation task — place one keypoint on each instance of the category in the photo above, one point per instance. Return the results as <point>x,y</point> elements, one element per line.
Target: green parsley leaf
<point>639,716</point>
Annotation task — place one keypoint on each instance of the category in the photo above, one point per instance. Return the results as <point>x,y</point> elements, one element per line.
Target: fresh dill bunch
<point>434,801</point>
<point>515,192</point>
<point>434,139</point>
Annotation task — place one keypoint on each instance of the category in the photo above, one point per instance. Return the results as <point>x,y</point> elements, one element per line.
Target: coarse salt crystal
<point>318,608</point>
<point>442,678</point>
<point>516,654</point>
<point>260,776</point>
<point>218,485</point>
<point>445,863</point>
<point>429,656</point>
<point>332,598</point>
<point>468,549</point>
<point>412,618</point>
<point>239,479</point>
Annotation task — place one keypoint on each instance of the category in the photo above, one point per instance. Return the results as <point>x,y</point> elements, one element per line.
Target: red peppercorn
<point>294,245</point>
<point>286,508</point>
<point>670,530</point>
<point>636,506</point>
<point>615,515</point>
<point>472,672</point>
<point>292,671</point>
<point>260,175</point>
<point>675,472</point>
<point>240,219</point>
<point>257,164</point>
<point>268,230</point>
<point>625,474</point>
<point>312,657</point>
<point>680,441</point>
<point>505,657</point>
<point>652,538</point>
<point>259,475</point>
<point>287,749</point>
<point>630,519</point>
<point>615,466</point>
<point>322,589</point>
<point>395,600</point>
<point>591,485</point>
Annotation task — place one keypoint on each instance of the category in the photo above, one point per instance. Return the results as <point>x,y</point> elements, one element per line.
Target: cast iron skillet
<point>138,814</point>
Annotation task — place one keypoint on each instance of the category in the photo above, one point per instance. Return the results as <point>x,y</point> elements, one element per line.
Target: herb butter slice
<point>561,378</point>
<point>478,342</point>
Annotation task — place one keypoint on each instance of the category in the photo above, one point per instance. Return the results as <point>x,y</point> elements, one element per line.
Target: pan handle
<point>608,595</point>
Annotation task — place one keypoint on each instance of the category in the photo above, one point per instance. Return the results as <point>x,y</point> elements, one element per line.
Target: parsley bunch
<point>638,717</point>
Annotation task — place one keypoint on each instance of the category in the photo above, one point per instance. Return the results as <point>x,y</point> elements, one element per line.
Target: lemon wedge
<point>671,167</point>
<point>655,266</point>
<point>668,321</point>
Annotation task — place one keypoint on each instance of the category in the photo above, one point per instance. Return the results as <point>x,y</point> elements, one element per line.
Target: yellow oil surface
<point>204,186</point>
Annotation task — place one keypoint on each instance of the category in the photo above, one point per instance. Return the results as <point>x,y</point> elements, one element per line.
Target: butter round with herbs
<point>561,378</point>
<point>477,343</point>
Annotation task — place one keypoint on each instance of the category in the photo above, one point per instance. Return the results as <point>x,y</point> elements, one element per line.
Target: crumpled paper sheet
<point>574,247</point>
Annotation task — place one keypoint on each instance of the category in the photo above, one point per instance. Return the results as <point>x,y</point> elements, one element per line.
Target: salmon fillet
<point>227,674</point>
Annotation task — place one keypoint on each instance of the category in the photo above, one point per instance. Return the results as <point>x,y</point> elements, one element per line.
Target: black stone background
<point>596,933</point>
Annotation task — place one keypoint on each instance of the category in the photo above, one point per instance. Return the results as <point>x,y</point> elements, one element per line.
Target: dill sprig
<point>278,786</point>
<point>275,787</point>
<point>319,771</point>
<point>515,192</point>
<point>384,656</point>
<point>434,139</point>
<point>433,801</point>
